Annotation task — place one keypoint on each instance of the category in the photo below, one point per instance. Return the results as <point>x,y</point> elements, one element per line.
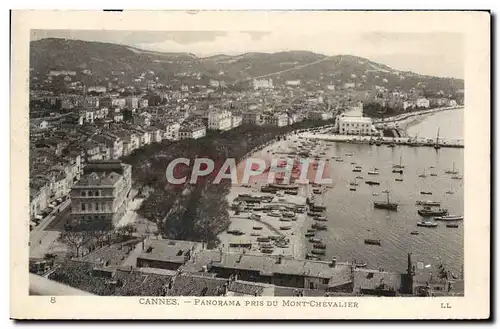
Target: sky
<point>439,53</point>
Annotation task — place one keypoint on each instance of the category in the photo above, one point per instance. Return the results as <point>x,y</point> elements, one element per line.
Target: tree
<point>75,240</point>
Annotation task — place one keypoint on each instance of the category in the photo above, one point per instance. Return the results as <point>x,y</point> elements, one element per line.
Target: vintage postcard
<point>250,165</point>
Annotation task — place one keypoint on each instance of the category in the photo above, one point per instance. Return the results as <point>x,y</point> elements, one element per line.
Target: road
<point>43,241</point>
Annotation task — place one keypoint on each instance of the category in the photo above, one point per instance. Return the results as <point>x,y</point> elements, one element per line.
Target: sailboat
<point>437,146</point>
<point>386,205</point>
<point>400,165</point>
<point>453,171</point>
<point>422,175</point>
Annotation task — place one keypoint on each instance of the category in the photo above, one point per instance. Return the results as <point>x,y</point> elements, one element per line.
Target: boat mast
<point>437,137</point>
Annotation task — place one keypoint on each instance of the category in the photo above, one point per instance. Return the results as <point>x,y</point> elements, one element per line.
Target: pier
<point>408,141</point>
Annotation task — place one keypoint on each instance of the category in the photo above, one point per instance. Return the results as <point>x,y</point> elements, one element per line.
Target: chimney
<point>333,263</point>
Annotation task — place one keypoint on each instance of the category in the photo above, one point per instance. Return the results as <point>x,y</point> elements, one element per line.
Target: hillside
<point>106,60</point>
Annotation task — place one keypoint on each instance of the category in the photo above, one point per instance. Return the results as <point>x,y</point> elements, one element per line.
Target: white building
<point>408,105</point>
<point>132,102</point>
<point>219,120</point>
<point>192,131</point>
<point>236,120</point>
<point>292,82</point>
<point>262,84</point>
<point>355,125</point>
<point>214,83</point>
<point>422,102</point>
<point>348,85</point>
<point>97,89</point>
<point>276,119</point>
<point>172,131</point>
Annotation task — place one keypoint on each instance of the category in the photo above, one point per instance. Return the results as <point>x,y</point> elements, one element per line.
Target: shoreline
<point>406,116</point>
<point>270,226</point>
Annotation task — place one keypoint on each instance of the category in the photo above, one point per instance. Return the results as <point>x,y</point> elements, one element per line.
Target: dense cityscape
<point>106,120</point>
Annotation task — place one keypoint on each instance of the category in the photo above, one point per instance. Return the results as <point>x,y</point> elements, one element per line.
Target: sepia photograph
<point>229,163</point>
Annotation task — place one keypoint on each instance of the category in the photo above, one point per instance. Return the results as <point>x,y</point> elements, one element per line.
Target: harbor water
<point>353,218</point>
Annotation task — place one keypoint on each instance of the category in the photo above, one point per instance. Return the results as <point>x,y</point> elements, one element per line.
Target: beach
<point>267,225</point>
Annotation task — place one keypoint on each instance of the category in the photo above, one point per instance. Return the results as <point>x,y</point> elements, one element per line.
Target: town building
<point>115,144</point>
<point>347,125</point>
<point>319,115</point>
<point>275,119</point>
<point>56,73</point>
<point>284,271</point>
<point>219,120</point>
<point>166,254</point>
<point>422,103</point>
<point>262,84</point>
<point>143,103</point>
<point>408,105</point>
<point>172,131</point>
<point>236,120</point>
<point>192,130</point>
<point>132,102</point>
<point>253,118</point>
<point>96,89</point>
<point>292,82</point>
<point>100,198</point>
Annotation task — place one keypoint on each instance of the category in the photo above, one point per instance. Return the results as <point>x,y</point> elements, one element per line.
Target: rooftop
<point>99,178</point>
<point>269,265</point>
<point>373,280</point>
<point>167,250</point>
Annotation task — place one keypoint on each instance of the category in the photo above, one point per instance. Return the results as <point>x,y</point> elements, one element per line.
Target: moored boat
<point>428,211</point>
<point>426,192</point>
<point>449,218</point>
<point>428,203</point>
<point>398,179</point>
<point>397,171</point>
<point>312,257</point>
<point>315,240</point>
<point>370,182</point>
<point>452,225</point>
<point>387,204</point>
<point>318,251</point>
<point>415,233</point>
<point>321,218</point>
<point>319,227</point>
<point>427,224</point>
<point>372,242</point>
<point>310,234</point>
<point>319,246</point>
<point>274,213</point>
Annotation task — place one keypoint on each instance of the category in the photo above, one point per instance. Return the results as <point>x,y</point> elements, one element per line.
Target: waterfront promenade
<point>409,141</point>
<point>405,116</point>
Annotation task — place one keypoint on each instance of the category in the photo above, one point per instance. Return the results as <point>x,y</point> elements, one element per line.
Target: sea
<point>352,217</point>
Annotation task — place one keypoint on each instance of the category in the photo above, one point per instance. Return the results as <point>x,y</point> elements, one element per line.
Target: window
<point>83,206</point>
<point>325,281</point>
<point>95,206</point>
<point>83,193</point>
<point>97,193</point>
